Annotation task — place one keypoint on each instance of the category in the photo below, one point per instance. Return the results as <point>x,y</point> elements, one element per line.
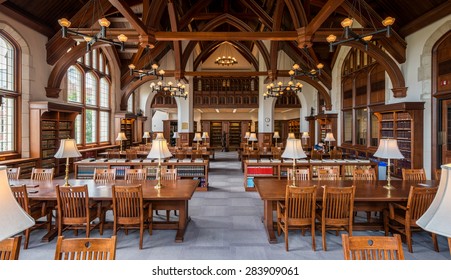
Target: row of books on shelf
<point>190,171</point>
<point>65,125</point>
<point>48,125</point>
<point>308,161</point>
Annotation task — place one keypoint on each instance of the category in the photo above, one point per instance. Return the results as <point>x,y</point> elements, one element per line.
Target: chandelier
<point>146,72</point>
<point>276,91</point>
<point>226,59</point>
<point>349,35</point>
<point>169,89</point>
<point>312,73</point>
<point>92,38</point>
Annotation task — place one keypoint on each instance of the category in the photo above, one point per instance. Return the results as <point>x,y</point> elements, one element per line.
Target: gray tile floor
<point>226,225</point>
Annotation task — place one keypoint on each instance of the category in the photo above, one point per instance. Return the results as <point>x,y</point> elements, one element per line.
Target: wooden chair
<point>413,174</point>
<point>42,174</point>
<point>13,173</point>
<point>85,248</point>
<point>297,211</point>
<point>254,154</point>
<point>139,174</point>
<point>403,218</point>
<point>131,154</point>
<point>130,211</point>
<point>316,155</point>
<point>105,175</point>
<point>337,210</point>
<point>36,210</point>
<point>113,153</point>
<point>372,247</point>
<point>367,175</point>
<point>329,174</point>
<point>10,248</point>
<point>301,174</point>
<point>76,211</point>
<point>170,175</point>
<point>335,154</point>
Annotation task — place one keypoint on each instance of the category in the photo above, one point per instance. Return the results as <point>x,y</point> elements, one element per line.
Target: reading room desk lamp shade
<point>121,137</point>
<point>294,151</point>
<point>436,219</point>
<point>13,219</point>
<point>205,135</point>
<point>291,135</point>
<point>160,136</point>
<point>253,138</point>
<point>146,135</point>
<point>388,148</point>
<point>68,149</point>
<point>159,150</point>
<point>197,138</point>
<point>276,136</point>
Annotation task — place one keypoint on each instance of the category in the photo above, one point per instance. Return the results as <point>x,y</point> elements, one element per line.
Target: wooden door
<point>445,141</point>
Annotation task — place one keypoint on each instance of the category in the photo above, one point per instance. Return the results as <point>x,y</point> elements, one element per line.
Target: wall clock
<point>267,119</point>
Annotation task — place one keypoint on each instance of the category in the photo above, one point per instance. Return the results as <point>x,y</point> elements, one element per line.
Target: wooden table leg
<point>268,221</point>
<point>183,221</point>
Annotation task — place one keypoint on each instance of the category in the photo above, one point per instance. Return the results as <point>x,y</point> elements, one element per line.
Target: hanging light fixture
<point>227,58</point>
<point>313,73</point>
<point>146,72</point>
<point>276,91</point>
<point>170,89</point>
<point>349,35</point>
<point>92,38</point>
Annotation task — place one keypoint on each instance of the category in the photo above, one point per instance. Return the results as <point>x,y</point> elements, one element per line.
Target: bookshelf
<point>127,128</point>
<point>216,134</point>
<point>49,123</point>
<point>234,134</point>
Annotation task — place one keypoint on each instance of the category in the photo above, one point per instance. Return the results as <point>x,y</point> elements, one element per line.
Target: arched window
<point>8,96</point>
<point>88,84</point>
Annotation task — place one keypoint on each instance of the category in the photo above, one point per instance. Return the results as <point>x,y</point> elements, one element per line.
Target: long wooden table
<point>174,195</point>
<point>369,196</point>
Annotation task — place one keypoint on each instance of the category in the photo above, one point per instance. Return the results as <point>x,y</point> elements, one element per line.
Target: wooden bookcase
<point>127,126</point>
<point>49,123</point>
<point>25,164</point>
<point>216,134</point>
<point>234,134</point>
<point>403,122</point>
<point>169,127</point>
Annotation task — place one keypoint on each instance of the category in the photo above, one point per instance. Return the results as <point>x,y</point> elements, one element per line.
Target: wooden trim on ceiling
<point>433,15</point>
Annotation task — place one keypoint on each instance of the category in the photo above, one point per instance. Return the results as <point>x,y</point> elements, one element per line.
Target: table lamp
<point>253,138</point>
<point>276,136</point>
<point>68,149</point>
<point>176,136</point>
<point>329,138</point>
<point>197,138</point>
<point>246,136</point>
<point>159,150</point>
<point>146,135</point>
<point>388,148</point>
<point>159,136</point>
<point>436,217</point>
<point>305,136</point>
<point>13,219</point>
<point>121,137</point>
<point>291,135</point>
<point>294,151</point>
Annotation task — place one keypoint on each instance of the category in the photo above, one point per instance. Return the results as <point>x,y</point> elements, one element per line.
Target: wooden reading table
<point>369,196</point>
<point>174,195</point>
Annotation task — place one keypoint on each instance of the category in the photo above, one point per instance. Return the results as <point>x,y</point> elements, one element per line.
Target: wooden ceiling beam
<point>189,15</point>
<point>177,44</point>
<point>231,36</point>
<point>258,10</point>
<point>274,51</point>
<point>125,10</point>
<point>435,14</point>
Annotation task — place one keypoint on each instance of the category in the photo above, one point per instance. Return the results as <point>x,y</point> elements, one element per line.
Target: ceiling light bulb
<point>388,21</point>
<point>279,84</point>
<point>347,22</point>
<point>131,66</point>
<point>64,22</point>
<point>104,22</point>
<point>154,66</point>
<point>87,38</point>
<point>122,38</point>
<point>320,66</point>
<point>161,72</point>
<point>331,38</point>
<point>367,38</point>
<point>152,84</point>
<point>169,83</point>
<point>295,66</point>
<point>291,72</point>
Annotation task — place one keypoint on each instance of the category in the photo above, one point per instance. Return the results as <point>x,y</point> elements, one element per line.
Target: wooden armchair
<point>36,210</point>
<point>13,173</point>
<point>42,174</point>
<point>171,175</point>
<point>130,211</point>
<point>329,174</point>
<point>413,174</point>
<point>403,218</point>
<point>337,210</point>
<point>76,211</point>
<point>10,248</point>
<point>364,174</point>
<point>85,248</point>
<point>336,154</point>
<point>297,211</point>
<point>372,247</point>
<point>105,175</point>
<point>301,174</point>
<point>139,174</point>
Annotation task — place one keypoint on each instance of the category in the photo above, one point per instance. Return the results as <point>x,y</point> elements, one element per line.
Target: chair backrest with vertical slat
<point>420,198</point>
<point>300,203</point>
<point>169,174</point>
<point>42,174</point>
<point>364,174</point>
<point>73,204</point>
<point>413,174</point>
<point>329,173</point>
<point>105,175</point>
<point>13,173</point>
<point>10,248</point>
<point>21,195</point>
<point>128,204</point>
<point>301,174</point>
<point>131,154</point>
<point>338,205</point>
<point>372,247</point>
<point>85,248</point>
<point>135,174</point>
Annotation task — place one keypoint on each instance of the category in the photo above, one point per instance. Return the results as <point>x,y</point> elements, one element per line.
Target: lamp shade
<point>276,135</point>
<point>197,137</point>
<point>205,135</point>
<point>253,137</point>
<point>159,149</point>
<point>291,135</point>
<point>146,134</point>
<point>175,135</point>
<point>305,135</point>
<point>388,148</point>
<point>13,219</point>
<point>67,149</point>
<point>160,136</point>
<point>121,136</point>
<point>329,137</point>
<point>247,135</point>
<point>436,218</point>
<point>294,149</point>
